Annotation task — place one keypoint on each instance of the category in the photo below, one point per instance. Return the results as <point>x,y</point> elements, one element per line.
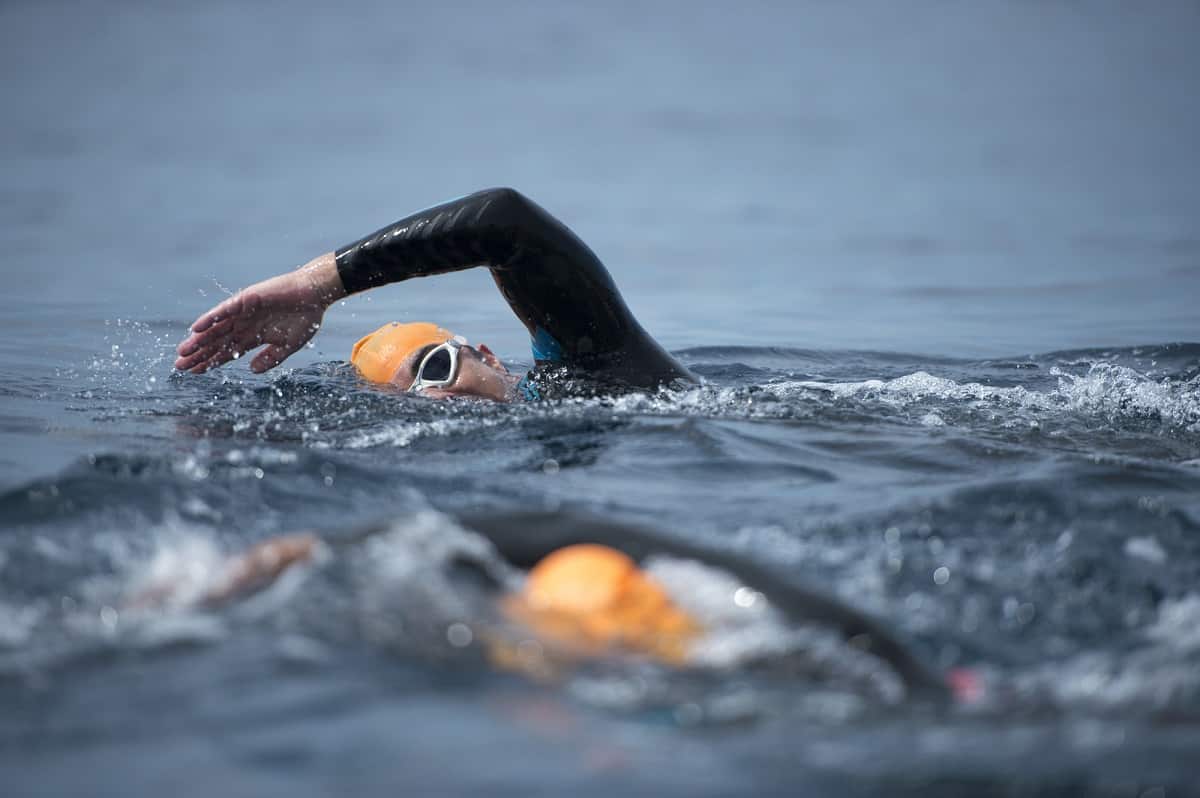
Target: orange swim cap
<point>591,598</point>
<point>378,356</point>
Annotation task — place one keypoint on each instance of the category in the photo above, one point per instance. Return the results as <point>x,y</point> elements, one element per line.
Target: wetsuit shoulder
<point>553,282</point>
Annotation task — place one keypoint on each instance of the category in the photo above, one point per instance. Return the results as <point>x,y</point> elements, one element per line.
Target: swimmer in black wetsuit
<point>555,284</point>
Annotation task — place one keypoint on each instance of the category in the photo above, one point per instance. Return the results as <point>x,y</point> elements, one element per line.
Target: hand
<point>283,312</point>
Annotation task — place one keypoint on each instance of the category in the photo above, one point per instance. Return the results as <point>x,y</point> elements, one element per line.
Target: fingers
<point>270,357</point>
<point>218,358</point>
<point>203,340</point>
<point>243,323</point>
<point>217,354</point>
<point>228,341</point>
<point>220,322</point>
<point>211,357</point>
<point>192,360</point>
<point>230,307</point>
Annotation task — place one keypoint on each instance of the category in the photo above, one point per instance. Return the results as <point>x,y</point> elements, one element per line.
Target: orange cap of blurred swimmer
<point>378,356</point>
<point>593,597</point>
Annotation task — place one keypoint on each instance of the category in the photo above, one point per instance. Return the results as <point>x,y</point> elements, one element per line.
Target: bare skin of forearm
<point>280,314</point>
<point>260,566</point>
<point>252,570</point>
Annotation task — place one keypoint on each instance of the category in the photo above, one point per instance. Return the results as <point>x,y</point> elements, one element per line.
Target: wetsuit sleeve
<point>554,283</point>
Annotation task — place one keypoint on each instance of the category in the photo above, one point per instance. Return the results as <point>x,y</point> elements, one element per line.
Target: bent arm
<point>553,282</point>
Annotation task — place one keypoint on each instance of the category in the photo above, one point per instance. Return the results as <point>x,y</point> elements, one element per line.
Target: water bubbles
<point>746,597</point>
<point>941,575</point>
<point>1147,548</point>
<point>459,635</point>
<point>17,624</point>
<point>109,618</point>
<point>891,536</point>
<point>1018,612</point>
<point>550,466</point>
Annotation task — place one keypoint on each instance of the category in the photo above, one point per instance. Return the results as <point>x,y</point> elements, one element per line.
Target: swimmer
<point>583,600</point>
<point>580,598</point>
<point>583,336</point>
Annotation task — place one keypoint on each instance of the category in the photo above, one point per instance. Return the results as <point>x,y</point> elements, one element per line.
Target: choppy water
<point>1008,193</point>
<point>1035,518</point>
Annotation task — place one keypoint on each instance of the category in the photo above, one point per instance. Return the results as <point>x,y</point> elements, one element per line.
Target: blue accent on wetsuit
<point>545,348</point>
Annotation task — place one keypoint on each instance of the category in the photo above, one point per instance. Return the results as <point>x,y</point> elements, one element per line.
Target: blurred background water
<point>790,194</point>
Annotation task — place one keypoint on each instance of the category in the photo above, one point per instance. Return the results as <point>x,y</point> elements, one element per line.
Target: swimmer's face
<point>480,375</point>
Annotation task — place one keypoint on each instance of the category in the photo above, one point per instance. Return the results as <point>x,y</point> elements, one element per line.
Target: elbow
<point>509,208</point>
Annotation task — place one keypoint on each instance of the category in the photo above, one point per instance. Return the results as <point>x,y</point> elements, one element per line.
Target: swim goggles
<point>439,367</point>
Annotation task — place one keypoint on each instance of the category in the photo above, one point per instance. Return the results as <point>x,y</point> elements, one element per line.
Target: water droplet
<point>746,597</point>
<point>109,617</point>
<point>941,575</point>
<point>459,635</point>
<point>550,466</point>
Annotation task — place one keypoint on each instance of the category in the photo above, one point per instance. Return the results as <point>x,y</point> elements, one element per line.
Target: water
<point>937,266</point>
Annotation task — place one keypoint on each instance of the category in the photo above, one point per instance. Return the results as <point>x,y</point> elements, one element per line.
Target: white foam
<point>1157,676</point>
<point>404,574</point>
<point>742,627</point>
<point>402,434</point>
<point>17,624</point>
<point>1107,389</point>
<point>1148,549</point>
<point>1178,624</point>
<point>181,570</point>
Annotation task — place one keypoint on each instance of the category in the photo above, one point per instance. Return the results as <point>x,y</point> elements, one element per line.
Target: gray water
<point>937,263</point>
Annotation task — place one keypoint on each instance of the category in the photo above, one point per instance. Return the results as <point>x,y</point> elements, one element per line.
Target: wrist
<point>321,276</point>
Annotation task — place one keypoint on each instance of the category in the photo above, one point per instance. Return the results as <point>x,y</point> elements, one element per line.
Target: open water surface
<point>938,268</point>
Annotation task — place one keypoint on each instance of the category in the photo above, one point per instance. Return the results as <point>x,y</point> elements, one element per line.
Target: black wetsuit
<point>556,285</point>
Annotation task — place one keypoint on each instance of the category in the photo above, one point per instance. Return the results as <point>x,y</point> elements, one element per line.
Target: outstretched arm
<point>554,283</point>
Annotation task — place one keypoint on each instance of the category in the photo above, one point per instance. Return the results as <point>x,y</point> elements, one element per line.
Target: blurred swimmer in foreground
<point>583,601</point>
<point>583,336</point>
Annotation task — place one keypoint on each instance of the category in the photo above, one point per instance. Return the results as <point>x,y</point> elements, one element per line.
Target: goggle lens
<point>436,367</point>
